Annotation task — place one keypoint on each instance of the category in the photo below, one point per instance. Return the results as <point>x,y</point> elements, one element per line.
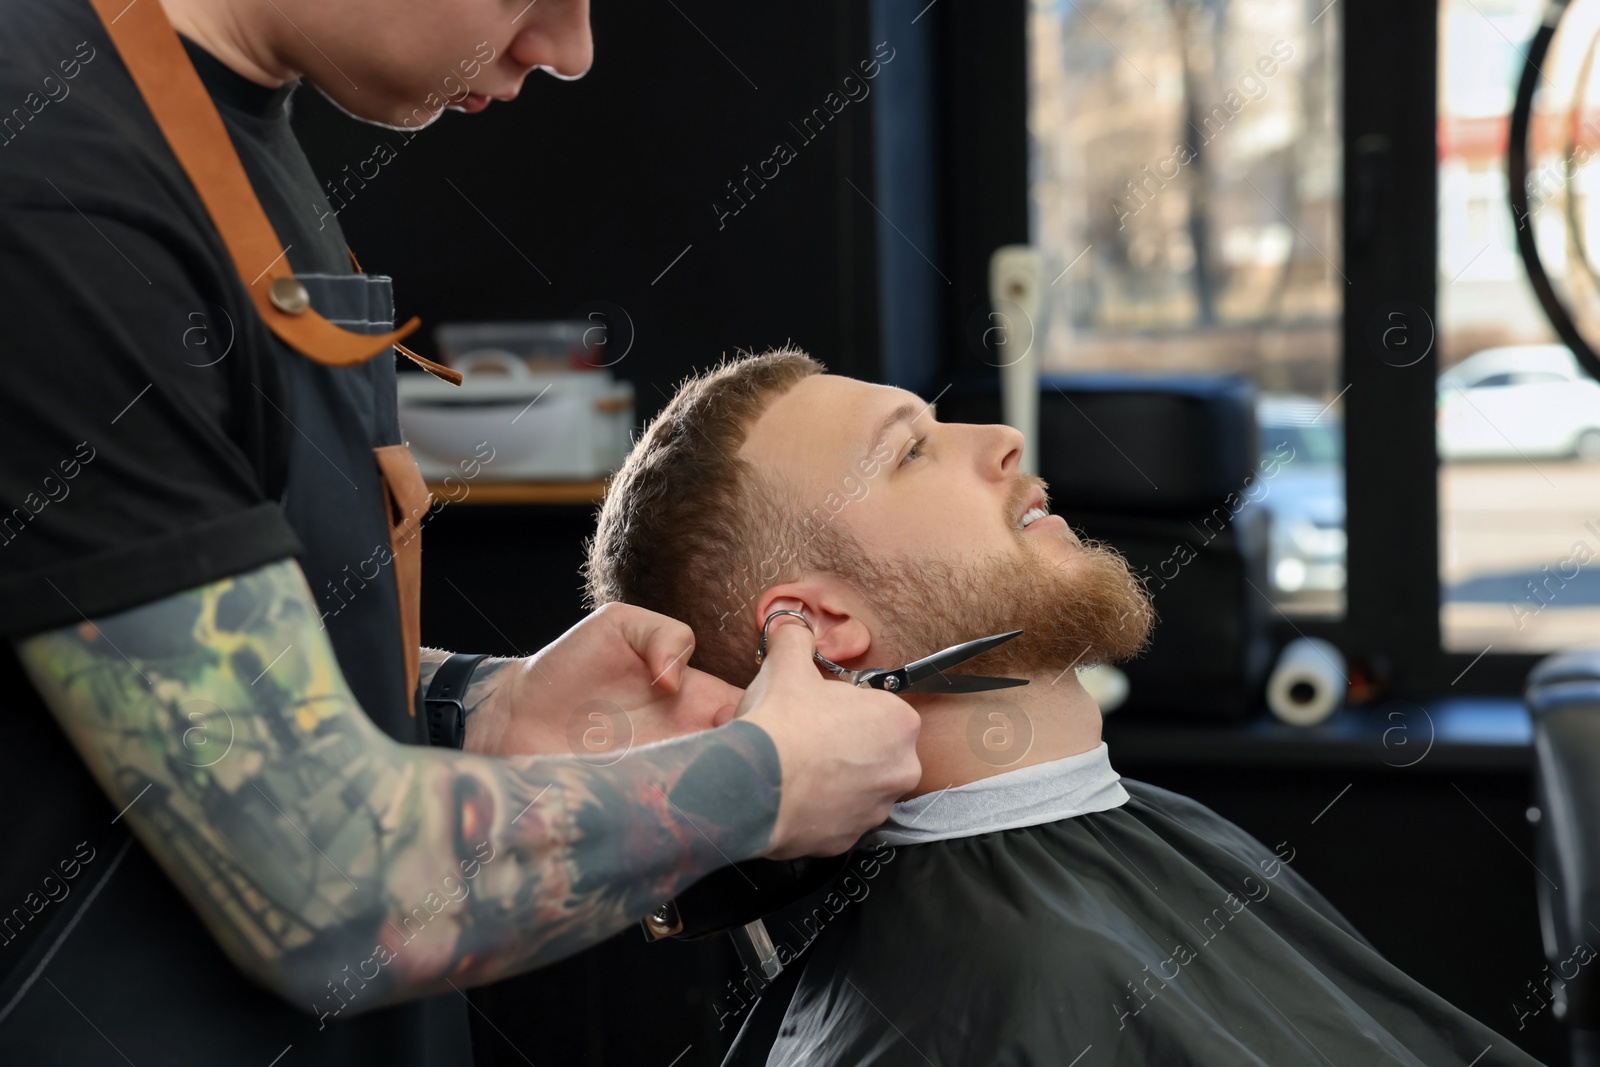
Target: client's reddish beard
<point>1087,609</point>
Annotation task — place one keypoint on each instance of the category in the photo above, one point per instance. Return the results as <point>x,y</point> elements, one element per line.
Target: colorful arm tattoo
<point>346,870</point>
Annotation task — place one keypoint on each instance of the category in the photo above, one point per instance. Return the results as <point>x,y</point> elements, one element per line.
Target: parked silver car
<point>1302,444</point>
<point>1519,402</point>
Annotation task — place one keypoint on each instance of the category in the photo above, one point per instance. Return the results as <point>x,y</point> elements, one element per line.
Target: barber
<point>264,822</point>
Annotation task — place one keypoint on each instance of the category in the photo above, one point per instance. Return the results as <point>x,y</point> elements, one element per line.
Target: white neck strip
<point>1044,792</point>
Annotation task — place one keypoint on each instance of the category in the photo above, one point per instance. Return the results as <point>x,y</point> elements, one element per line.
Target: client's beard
<point>1088,609</point>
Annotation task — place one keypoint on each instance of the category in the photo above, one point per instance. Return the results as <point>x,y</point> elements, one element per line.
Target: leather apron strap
<point>408,500</point>
<point>188,118</point>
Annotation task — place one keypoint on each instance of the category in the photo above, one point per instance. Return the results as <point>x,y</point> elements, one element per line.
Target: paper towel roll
<point>1308,683</point>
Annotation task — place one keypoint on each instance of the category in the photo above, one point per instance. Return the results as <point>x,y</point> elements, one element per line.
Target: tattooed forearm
<point>488,691</point>
<point>343,869</point>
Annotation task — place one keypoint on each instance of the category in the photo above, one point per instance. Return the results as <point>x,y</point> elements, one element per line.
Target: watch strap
<point>442,705</point>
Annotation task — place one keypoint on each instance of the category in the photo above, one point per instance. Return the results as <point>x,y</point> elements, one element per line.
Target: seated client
<point>1039,908</point>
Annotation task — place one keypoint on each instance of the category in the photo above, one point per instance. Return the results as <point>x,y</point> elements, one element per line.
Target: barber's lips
<point>473,103</point>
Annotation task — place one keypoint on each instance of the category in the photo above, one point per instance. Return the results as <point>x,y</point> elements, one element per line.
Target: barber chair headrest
<point>1168,445</point>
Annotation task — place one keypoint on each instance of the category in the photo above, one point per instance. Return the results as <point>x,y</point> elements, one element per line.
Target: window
<point>1185,189</point>
<point>1518,422</point>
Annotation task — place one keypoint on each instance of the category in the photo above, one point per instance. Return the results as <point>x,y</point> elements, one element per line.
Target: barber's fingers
<point>791,647</point>
<point>786,667</point>
<point>701,691</point>
<point>664,644</point>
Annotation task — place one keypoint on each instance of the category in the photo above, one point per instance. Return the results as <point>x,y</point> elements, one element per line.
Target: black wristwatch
<point>446,715</point>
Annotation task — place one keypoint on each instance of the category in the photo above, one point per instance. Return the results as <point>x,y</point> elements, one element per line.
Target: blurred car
<point>1519,402</point>
<point>1303,442</point>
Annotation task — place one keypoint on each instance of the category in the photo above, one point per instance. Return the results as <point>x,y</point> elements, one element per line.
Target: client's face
<point>944,538</point>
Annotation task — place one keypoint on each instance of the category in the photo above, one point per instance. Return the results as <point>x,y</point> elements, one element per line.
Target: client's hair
<point>690,530</point>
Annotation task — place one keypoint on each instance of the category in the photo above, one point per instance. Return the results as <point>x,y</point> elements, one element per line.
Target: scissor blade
<point>953,684</point>
<point>942,661</point>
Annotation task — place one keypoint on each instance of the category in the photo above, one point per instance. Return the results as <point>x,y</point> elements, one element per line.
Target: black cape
<point>1155,933</point>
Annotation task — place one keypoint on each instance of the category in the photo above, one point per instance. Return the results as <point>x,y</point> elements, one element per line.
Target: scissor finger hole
<point>761,648</point>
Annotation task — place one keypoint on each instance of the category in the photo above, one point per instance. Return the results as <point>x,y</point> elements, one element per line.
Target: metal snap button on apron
<point>289,296</point>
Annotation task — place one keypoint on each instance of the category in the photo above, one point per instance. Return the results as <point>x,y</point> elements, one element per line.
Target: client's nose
<point>1001,450</point>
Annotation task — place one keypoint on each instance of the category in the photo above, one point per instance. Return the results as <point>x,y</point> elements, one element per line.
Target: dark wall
<point>983,154</point>
<point>586,191</point>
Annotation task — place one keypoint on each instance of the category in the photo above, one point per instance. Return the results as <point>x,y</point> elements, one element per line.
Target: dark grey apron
<point>341,507</point>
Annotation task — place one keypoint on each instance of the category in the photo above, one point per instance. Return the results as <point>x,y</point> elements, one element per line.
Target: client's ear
<point>835,610</point>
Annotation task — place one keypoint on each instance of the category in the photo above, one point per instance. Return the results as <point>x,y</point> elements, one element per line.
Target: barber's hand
<point>618,679</point>
<point>847,754</point>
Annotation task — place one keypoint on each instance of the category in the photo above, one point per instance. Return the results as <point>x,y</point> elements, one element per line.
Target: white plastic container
<point>554,426</point>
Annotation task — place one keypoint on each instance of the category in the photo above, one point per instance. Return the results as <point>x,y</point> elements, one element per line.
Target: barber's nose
<point>556,38</point>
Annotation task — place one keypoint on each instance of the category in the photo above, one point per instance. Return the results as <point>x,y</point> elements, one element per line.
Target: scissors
<point>925,675</point>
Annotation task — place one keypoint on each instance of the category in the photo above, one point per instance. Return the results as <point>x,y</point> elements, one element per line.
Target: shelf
<point>485,492</point>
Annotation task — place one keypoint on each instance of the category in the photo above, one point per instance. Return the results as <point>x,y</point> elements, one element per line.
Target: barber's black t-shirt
<point>142,452</point>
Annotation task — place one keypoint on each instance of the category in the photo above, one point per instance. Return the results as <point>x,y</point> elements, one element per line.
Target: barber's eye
<point>914,452</point>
